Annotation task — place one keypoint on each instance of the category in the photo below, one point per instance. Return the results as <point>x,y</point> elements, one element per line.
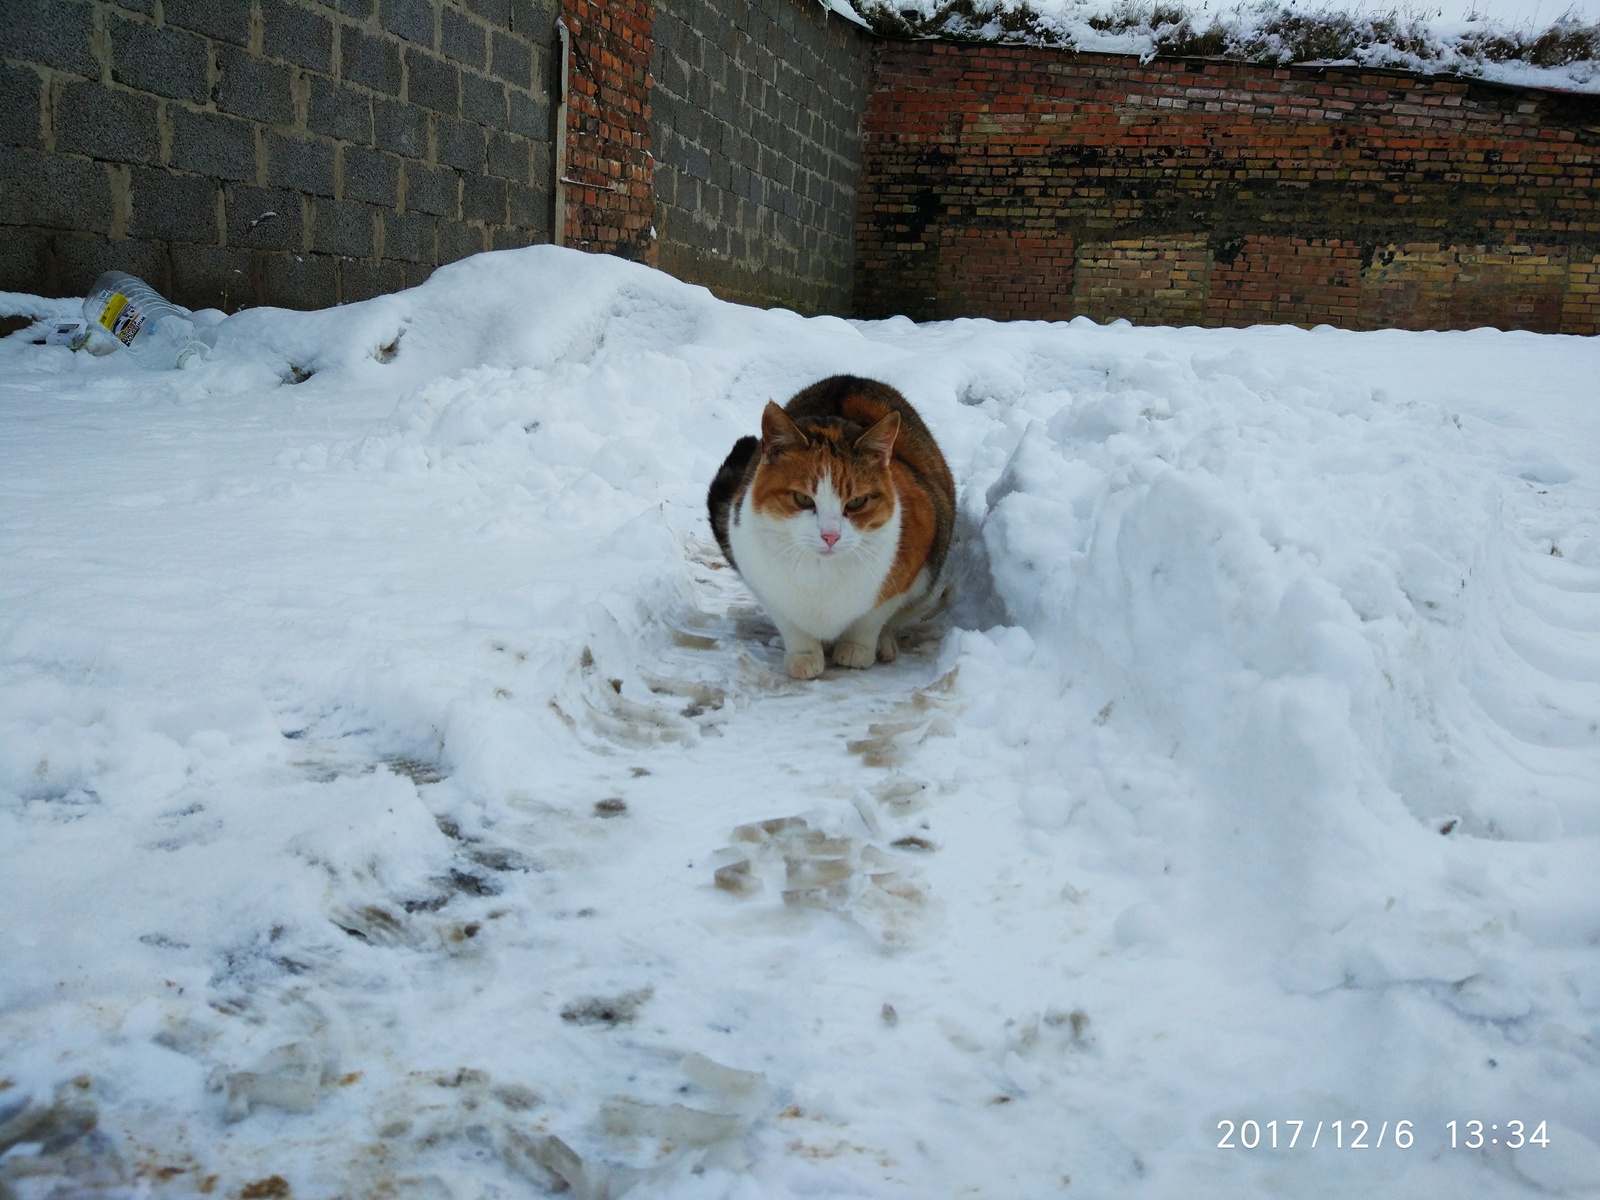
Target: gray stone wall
<point>290,152</point>
<point>756,131</point>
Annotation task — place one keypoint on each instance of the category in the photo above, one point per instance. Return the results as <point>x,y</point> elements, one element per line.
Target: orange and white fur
<point>838,519</point>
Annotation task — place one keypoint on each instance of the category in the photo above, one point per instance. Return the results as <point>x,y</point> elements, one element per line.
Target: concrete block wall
<point>755,127</point>
<point>291,152</point>
<point>1017,182</point>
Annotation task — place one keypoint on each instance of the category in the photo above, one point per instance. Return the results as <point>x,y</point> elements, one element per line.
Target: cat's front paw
<point>803,664</point>
<point>852,654</point>
<point>888,648</point>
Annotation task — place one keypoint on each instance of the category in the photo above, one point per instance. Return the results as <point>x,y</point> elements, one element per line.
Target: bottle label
<point>122,319</point>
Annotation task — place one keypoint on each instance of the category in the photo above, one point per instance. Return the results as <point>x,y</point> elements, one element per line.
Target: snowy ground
<point>1525,43</point>
<point>398,797</point>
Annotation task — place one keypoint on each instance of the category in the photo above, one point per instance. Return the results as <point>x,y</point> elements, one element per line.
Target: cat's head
<point>824,482</point>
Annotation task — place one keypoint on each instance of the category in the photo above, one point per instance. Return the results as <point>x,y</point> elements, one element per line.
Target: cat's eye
<point>857,504</point>
<point>801,500</point>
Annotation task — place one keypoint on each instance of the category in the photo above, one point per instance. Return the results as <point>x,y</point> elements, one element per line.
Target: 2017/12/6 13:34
<point>1359,1135</point>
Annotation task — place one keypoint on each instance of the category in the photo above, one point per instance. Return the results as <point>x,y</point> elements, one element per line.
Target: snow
<point>399,797</point>
<point>1494,40</point>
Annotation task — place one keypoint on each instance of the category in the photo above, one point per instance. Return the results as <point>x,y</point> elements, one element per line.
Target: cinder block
<point>209,144</point>
<point>463,39</point>
<point>370,176</point>
<point>340,227</point>
<point>483,100</point>
<point>303,164</point>
<point>460,144</point>
<point>20,89</point>
<point>211,277</point>
<point>409,237</point>
<point>301,281</point>
<point>227,22</point>
<point>458,241</point>
<point>371,61</point>
<point>432,82</point>
<point>496,12</point>
<point>511,60</point>
<point>431,190</point>
<point>53,191</point>
<point>168,62</point>
<point>296,35</point>
<point>113,125</point>
<point>55,33</point>
<point>362,280</point>
<point>508,157</point>
<point>400,128</point>
<point>530,115</point>
<point>167,205</point>
<point>484,199</point>
<point>25,261</point>
<point>81,258</point>
<point>339,112</point>
<point>253,88</point>
<point>410,19</point>
<point>263,218</point>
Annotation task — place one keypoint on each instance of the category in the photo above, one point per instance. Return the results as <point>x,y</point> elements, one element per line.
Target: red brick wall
<point>1024,182</point>
<point>607,185</point>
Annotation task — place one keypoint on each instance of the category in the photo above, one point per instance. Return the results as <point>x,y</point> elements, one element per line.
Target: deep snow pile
<point>398,797</point>
<point>1526,43</point>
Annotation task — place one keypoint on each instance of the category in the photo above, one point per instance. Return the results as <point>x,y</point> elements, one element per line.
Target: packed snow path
<point>399,796</point>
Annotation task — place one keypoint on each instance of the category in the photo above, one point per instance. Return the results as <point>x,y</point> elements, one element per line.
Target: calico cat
<point>838,519</point>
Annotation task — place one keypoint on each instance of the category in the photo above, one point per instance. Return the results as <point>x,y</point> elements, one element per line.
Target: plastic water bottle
<point>155,332</point>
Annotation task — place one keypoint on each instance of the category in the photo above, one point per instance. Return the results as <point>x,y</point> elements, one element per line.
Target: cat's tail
<point>727,489</point>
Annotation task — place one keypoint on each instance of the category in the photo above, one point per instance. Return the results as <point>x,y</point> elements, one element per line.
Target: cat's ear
<point>878,442</point>
<point>778,432</point>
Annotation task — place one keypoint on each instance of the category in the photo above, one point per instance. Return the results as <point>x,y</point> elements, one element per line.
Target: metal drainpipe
<point>559,221</point>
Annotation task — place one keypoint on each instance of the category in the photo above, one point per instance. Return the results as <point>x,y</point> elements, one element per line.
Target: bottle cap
<point>192,355</point>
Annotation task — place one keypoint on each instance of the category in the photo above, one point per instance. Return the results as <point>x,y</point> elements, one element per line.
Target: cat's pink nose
<point>830,537</point>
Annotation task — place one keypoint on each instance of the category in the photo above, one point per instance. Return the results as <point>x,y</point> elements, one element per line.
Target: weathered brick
<point>340,227</point>
<point>263,218</point>
<point>168,62</point>
<point>209,144</point>
<point>168,205</point>
<point>52,191</point>
<point>432,82</point>
<point>373,62</point>
<point>370,175</point>
<point>304,164</point>
<point>253,88</point>
<point>296,35</point>
<point>338,112</point>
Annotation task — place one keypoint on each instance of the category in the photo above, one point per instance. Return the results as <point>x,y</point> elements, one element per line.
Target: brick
<point>409,237</point>
<point>19,107</point>
<point>373,62</point>
<point>511,60</point>
<point>52,191</point>
<point>167,205</point>
<point>371,176</point>
<point>463,39</point>
<point>431,190</point>
<point>210,144</point>
<point>432,82</point>
<point>168,62</point>
<point>56,33</point>
<point>296,35</point>
<point>225,22</point>
<point>343,228</point>
<point>263,218</point>
<point>338,112</point>
<point>410,19</point>
<point>304,164</point>
<point>252,88</point>
<point>400,128</point>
